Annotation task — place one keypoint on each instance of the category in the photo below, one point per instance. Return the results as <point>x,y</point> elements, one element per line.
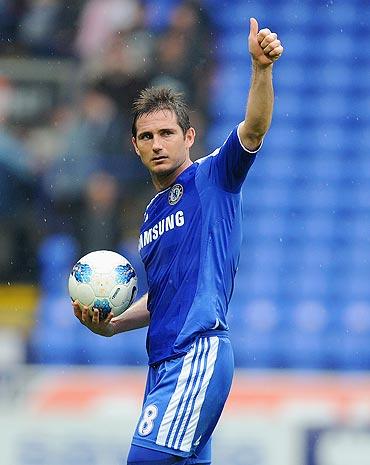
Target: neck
<point>163,181</point>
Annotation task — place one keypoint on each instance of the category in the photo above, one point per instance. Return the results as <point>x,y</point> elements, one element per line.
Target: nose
<point>157,145</point>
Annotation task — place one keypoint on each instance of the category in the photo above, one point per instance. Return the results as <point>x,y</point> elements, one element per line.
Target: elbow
<point>251,137</point>
<point>252,142</point>
<point>255,139</point>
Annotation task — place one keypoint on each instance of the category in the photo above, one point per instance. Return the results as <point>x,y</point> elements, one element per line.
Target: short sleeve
<point>229,164</point>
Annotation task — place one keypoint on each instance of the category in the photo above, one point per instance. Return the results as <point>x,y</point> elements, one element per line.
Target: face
<point>162,146</point>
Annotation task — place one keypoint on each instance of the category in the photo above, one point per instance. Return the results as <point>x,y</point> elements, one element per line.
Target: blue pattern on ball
<point>124,274</point>
<point>82,272</point>
<point>103,306</point>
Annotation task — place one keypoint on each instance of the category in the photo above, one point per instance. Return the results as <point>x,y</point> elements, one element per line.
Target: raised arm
<point>137,316</point>
<point>265,48</point>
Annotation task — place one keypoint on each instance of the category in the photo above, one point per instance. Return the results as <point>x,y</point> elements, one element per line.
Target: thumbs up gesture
<point>264,45</point>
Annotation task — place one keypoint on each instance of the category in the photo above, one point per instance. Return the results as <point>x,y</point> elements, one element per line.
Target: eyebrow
<point>144,133</point>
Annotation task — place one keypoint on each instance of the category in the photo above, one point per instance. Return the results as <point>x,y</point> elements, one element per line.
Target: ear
<point>190,137</point>
<point>133,140</point>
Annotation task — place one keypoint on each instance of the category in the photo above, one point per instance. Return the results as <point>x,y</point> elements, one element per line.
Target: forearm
<point>259,107</point>
<point>137,316</point>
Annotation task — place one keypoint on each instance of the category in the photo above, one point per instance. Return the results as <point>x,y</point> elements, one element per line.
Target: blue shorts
<point>184,398</point>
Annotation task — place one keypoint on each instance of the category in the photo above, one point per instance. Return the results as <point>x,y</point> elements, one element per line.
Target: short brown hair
<point>153,99</point>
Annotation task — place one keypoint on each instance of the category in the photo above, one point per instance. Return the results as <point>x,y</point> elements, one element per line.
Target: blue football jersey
<point>190,243</point>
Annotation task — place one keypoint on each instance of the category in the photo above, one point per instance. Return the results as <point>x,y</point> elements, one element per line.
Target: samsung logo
<point>175,220</point>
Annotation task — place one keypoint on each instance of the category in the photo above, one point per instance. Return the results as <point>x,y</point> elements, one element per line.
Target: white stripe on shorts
<point>199,398</point>
<point>170,413</point>
<point>192,396</point>
<point>194,373</point>
<point>194,390</point>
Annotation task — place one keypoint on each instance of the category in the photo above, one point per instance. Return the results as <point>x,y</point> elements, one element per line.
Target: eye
<point>145,136</point>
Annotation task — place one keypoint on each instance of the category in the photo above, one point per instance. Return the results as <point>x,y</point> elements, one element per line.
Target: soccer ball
<point>104,280</point>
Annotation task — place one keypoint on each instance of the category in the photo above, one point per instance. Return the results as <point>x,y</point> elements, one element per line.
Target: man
<point>189,243</point>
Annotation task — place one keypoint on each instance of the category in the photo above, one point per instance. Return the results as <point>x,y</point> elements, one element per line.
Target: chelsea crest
<point>175,194</point>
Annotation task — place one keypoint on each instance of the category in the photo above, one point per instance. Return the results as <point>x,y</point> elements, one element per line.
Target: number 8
<point>147,422</point>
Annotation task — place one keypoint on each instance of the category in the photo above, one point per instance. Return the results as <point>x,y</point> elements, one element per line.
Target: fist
<point>264,45</point>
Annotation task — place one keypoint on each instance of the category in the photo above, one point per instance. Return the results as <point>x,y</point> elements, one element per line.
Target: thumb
<point>253,31</point>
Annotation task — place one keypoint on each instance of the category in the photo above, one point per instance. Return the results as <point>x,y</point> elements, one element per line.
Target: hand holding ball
<point>103,280</point>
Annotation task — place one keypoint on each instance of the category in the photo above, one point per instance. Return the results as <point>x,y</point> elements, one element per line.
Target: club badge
<point>175,194</point>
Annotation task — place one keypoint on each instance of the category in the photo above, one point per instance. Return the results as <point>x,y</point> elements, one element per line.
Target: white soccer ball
<point>104,280</point>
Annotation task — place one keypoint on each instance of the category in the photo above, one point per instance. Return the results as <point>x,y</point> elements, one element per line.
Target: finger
<point>85,314</point>
<point>76,305</point>
<point>77,310</point>
<point>108,318</point>
<point>262,34</point>
<point>276,52</point>
<point>253,27</point>
<point>271,46</point>
<point>95,316</point>
<point>268,39</point>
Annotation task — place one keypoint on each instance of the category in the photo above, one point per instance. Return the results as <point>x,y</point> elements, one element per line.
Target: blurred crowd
<point>71,169</point>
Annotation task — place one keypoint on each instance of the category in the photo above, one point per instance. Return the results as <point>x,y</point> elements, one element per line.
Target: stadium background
<point>69,184</point>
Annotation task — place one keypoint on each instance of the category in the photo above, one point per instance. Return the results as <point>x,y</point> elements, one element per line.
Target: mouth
<point>159,158</point>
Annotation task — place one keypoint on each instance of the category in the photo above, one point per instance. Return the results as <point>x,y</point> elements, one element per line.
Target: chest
<point>169,221</point>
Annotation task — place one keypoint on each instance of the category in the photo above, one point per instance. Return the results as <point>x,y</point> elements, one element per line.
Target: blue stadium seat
<point>230,106</point>
<point>361,109</point>
<point>286,139</point>
<point>343,15</point>
<point>349,347</point>
<point>315,254</point>
<point>303,336</point>
<point>320,225</point>
<point>268,195</point>
<point>217,134</point>
<point>253,330</point>
<point>234,16</point>
<point>288,107</point>
<point>266,226</point>
<point>57,254</point>
<point>233,46</point>
<point>56,337</point>
<point>121,349</point>
<point>324,170</point>
<point>297,49</point>
<point>333,76</point>
<point>330,105</point>
<point>260,283</point>
<point>52,347</point>
<point>265,255</point>
<point>338,45</point>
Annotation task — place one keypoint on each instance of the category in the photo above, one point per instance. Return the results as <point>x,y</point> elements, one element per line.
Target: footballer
<point>189,242</point>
